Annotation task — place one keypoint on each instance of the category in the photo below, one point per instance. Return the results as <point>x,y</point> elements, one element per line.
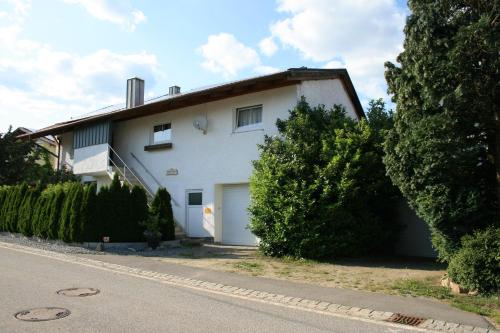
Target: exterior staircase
<point>129,176</point>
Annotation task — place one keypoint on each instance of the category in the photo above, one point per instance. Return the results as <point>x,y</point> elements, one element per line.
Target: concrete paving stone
<point>344,308</point>
<point>333,307</point>
<point>467,327</point>
<point>364,312</point>
<point>479,330</point>
<point>323,305</point>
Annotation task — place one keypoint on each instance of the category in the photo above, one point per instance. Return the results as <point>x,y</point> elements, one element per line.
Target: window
<point>162,133</point>
<point>249,116</point>
<point>194,198</point>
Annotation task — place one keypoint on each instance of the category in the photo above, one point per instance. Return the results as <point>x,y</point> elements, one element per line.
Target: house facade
<point>199,145</point>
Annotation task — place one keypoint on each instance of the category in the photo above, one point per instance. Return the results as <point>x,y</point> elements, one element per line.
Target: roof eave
<point>232,89</point>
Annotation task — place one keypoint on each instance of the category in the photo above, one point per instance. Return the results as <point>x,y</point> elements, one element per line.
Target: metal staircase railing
<point>126,173</point>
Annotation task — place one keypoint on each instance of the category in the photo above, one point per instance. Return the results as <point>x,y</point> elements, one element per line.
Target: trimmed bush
<point>319,189</point>
<point>476,265</point>
<point>162,207</point>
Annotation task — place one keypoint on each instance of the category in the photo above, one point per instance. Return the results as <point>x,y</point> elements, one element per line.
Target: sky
<point>63,58</point>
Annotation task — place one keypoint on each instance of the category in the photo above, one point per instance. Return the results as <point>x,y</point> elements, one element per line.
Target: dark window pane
<point>195,198</point>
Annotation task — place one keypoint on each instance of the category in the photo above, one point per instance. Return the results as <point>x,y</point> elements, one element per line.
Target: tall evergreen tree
<point>75,219</point>
<point>90,215</point>
<point>444,151</point>
<point>138,212</point>
<point>162,207</point>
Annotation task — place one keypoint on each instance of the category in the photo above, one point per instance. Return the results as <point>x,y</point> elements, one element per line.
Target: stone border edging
<point>362,314</point>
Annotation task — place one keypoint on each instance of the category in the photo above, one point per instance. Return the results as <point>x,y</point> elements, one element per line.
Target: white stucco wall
<point>204,161</point>
<point>221,156</point>
<point>328,93</point>
<point>91,160</point>
<point>66,153</point>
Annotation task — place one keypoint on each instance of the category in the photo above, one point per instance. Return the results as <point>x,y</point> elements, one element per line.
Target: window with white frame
<point>248,116</point>
<point>162,133</point>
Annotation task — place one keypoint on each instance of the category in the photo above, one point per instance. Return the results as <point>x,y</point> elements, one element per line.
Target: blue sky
<point>63,58</point>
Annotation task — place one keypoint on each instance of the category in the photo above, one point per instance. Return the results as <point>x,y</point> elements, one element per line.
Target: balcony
<point>91,160</point>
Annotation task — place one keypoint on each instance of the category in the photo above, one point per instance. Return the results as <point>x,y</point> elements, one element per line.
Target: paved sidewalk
<point>420,307</point>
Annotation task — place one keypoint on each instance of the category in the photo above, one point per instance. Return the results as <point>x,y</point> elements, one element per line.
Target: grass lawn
<point>396,276</point>
<point>429,287</point>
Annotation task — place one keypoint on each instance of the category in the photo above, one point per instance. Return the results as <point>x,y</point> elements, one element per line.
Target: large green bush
<point>477,264</point>
<point>319,186</point>
<point>162,207</point>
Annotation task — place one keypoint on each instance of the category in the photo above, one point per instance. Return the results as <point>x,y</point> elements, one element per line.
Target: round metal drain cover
<point>78,292</point>
<point>42,314</point>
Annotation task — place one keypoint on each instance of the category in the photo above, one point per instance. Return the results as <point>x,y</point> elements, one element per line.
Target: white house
<point>199,145</point>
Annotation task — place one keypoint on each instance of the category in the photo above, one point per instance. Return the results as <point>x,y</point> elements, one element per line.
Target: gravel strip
<point>44,244</point>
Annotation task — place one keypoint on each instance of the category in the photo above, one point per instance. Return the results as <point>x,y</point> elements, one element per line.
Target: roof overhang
<point>281,79</point>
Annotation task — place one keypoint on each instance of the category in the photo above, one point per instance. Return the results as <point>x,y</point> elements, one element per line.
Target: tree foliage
<point>443,152</point>
<point>319,188</point>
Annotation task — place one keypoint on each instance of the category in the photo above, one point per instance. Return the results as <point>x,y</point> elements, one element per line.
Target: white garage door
<point>235,201</point>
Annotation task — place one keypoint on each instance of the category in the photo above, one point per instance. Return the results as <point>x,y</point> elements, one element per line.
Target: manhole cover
<point>405,319</point>
<point>78,292</point>
<point>42,314</point>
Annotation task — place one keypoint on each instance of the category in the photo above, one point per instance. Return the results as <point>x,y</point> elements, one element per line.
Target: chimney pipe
<point>174,90</point>
<point>135,92</point>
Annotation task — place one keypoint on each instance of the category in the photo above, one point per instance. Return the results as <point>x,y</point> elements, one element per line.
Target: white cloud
<point>40,85</point>
<point>334,64</point>
<point>112,11</point>
<point>266,69</point>
<point>364,34</point>
<point>268,46</point>
<point>224,54</point>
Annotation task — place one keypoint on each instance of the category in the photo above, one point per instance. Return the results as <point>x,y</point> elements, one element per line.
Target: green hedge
<point>74,212</point>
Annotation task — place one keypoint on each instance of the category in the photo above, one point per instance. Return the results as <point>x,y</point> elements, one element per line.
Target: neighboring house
<point>49,144</point>
<point>199,145</point>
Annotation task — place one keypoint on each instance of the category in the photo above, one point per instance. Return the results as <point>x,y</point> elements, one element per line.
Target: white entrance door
<point>194,214</point>
<point>235,201</point>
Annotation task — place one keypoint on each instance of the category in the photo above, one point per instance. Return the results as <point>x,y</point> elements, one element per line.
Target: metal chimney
<point>174,90</point>
<point>135,92</point>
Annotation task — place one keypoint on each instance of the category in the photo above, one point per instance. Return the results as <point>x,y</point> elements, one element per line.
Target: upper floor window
<point>162,133</point>
<point>248,116</point>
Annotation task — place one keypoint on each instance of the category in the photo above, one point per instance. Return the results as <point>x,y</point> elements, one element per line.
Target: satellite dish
<point>201,123</point>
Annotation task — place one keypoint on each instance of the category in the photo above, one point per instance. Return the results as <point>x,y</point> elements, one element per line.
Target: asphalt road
<point>130,304</point>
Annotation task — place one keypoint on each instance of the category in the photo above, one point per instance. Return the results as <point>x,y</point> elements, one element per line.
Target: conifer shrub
<point>13,209</point>
<point>55,201</point>
<point>64,219</point>
<point>90,214</point>
<point>138,211</point>
<point>74,212</point>
<point>75,216</point>
<point>162,207</point>
<point>26,211</point>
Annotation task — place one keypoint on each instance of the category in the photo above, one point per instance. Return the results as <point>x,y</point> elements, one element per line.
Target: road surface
<point>131,304</point>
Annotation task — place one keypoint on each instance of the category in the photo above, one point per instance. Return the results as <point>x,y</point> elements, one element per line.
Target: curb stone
<point>318,306</point>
